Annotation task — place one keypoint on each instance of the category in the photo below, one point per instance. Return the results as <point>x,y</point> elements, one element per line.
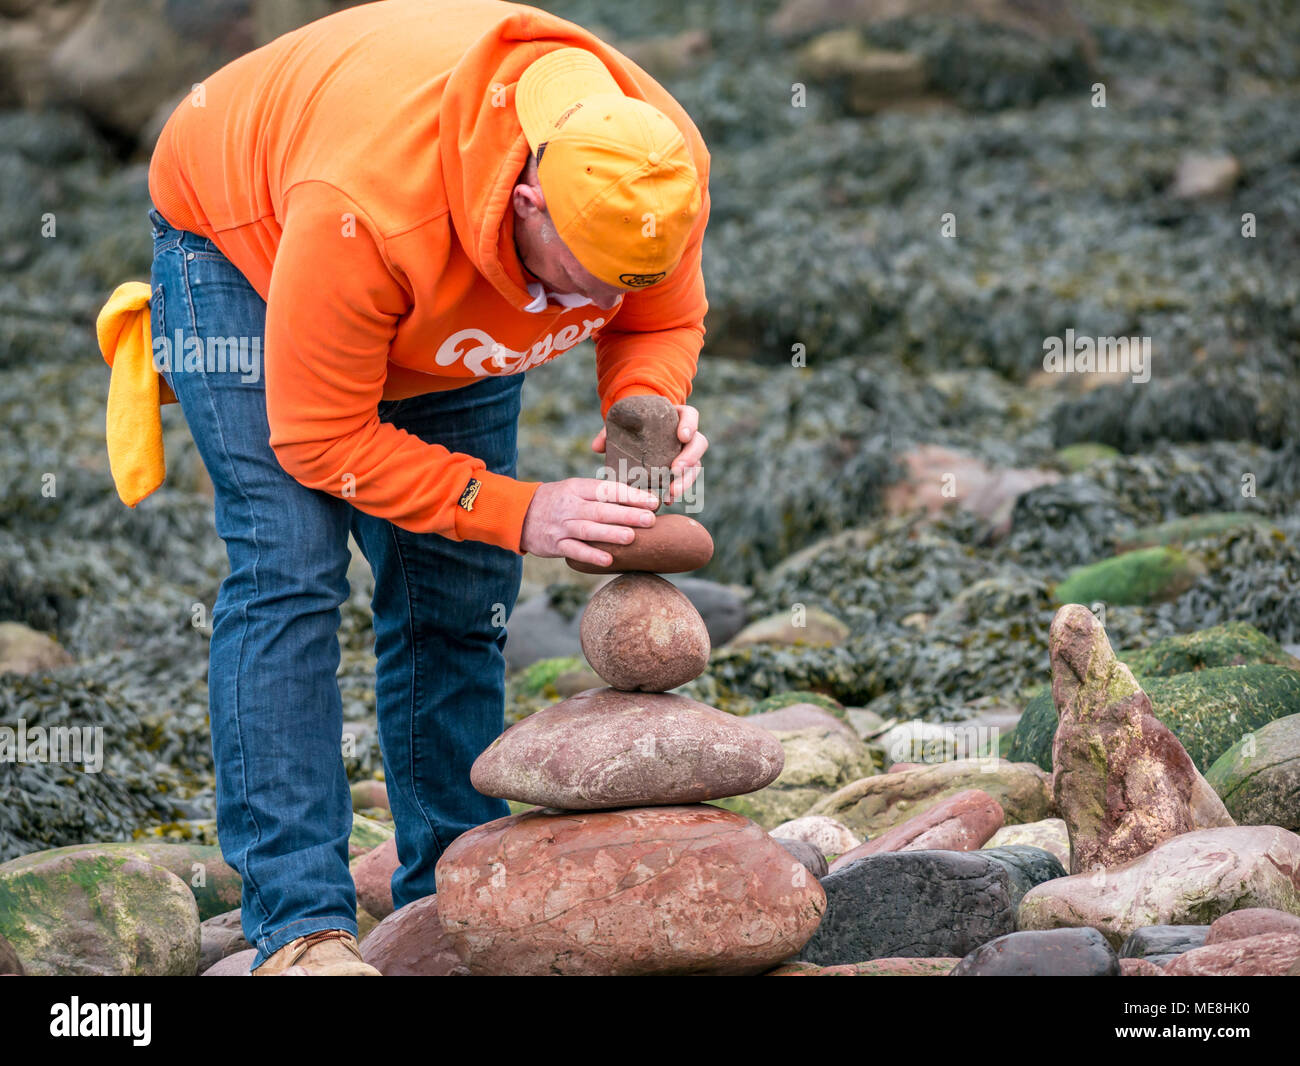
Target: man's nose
<point>605,302</point>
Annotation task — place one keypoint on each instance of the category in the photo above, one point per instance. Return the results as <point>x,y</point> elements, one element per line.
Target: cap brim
<point>550,86</point>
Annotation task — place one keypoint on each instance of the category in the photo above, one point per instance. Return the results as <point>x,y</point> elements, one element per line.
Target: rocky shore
<point>903,503</point>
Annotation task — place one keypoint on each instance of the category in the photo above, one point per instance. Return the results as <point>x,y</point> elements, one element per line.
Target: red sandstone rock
<point>796,716</point>
<point>412,942</point>
<point>1140,968</point>
<point>1147,789</point>
<point>1268,955</point>
<point>675,544</point>
<point>641,634</point>
<point>662,890</point>
<point>641,442</point>
<point>604,748</point>
<point>963,821</point>
<point>373,876</point>
<point>1252,921</point>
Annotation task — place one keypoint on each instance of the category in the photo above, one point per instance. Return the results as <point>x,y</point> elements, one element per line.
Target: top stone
<point>641,442</point>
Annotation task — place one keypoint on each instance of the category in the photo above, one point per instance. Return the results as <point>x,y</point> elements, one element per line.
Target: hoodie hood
<point>483,147</point>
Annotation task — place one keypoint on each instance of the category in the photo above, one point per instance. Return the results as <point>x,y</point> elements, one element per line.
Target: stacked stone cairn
<point>622,867</point>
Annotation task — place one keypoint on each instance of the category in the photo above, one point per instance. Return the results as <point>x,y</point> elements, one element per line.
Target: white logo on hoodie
<point>483,355</point>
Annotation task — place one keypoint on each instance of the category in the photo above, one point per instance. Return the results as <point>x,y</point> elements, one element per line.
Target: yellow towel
<point>136,392</point>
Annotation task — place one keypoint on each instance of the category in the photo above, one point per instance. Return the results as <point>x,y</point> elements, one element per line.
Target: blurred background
<point>909,198</point>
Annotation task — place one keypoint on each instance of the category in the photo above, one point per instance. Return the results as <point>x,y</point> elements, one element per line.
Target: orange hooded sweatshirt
<point>358,172</point>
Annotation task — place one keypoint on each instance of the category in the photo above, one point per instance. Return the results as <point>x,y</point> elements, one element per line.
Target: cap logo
<point>640,281</point>
<point>567,115</point>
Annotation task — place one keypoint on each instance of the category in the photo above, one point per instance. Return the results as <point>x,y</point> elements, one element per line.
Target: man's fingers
<point>585,529</point>
<point>598,442</point>
<point>688,421</point>
<point>691,454</point>
<point>584,553</point>
<point>617,515</point>
<point>679,486</point>
<point>616,492</point>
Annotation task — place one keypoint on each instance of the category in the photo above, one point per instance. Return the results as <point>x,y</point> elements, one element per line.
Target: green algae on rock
<point>1178,532</point>
<point>87,913</point>
<point>1140,578</point>
<point>213,881</point>
<point>1207,710</point>
<point>789,699</point>
<point>1258,778</point>
<point>1229,644</point>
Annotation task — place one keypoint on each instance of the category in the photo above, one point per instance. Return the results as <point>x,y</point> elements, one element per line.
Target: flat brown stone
<point>675,544</point>
<point>963,821</point>
<point>605,748</point>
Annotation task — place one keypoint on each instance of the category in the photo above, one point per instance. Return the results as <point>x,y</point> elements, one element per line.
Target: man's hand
<point>564,515</point>
<point>686,467</point>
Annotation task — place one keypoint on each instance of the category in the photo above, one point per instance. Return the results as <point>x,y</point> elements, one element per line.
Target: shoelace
<point>319,937</point>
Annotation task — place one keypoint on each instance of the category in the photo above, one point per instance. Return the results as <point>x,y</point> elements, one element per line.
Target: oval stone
<point>675,544</point>
<point>605,748</point>
<point>648,891</point>
<point>641,634</point>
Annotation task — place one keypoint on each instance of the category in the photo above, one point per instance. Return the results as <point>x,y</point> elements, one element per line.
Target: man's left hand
<point>686,467</point>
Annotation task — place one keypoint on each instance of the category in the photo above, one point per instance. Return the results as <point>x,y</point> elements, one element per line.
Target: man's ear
<point>528,200</point>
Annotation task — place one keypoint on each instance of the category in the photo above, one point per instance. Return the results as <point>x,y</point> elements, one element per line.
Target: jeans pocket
<point>158,331</point>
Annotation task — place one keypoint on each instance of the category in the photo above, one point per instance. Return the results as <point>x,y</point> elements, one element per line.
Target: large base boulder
<point>661,890</point>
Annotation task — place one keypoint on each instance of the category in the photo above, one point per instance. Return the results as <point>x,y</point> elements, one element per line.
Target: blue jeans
<point>284,809</point>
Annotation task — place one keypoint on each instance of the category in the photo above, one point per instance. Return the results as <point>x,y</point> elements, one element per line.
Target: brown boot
<point>328,953</point>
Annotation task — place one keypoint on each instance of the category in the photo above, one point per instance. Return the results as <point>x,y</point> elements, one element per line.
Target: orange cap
<point>618,177</point>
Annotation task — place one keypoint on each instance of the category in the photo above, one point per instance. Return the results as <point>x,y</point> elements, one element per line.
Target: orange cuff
<point>491,509</point>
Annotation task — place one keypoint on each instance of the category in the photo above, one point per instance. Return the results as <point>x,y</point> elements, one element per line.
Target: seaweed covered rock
<point>1229,644</point>
<point>1178,532</point>
<point>95,914</point>
<point>212,880</point>
<point>1142,577</point>
<point>1123,783</point>
<point>1207,710</point>
<point>875,804</point>
<point>1258,778</point>
<point>818,760</point>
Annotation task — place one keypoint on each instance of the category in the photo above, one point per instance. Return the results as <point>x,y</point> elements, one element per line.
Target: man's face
<point>544,255</point>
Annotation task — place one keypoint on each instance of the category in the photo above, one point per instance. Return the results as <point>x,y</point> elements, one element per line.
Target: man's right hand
<point>564,515</point>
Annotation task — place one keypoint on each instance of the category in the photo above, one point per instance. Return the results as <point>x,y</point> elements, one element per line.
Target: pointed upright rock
<point>1123,782</point>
